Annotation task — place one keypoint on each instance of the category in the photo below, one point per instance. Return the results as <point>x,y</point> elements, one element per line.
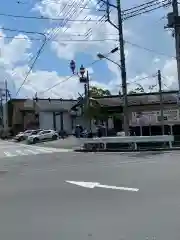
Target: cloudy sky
<point>79,34</point>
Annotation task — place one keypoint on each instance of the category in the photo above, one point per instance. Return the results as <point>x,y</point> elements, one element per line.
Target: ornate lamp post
<point>82,79</point>
<point>73,66</point>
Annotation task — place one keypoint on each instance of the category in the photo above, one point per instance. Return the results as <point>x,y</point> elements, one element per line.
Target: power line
<point>93,40</point>
<point>32,66</point>
<point>144,10</point>
<point>23,31</point>
<point>63,40</point>
<point>37,56</point>
<point>45,18</point>
<point>135,11</point>
<point>50,38</point>
<point>68,78</point>
<point>148,49</point>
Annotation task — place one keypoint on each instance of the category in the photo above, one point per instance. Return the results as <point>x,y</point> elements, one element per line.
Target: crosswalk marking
<point>9,150</point>
<point>8,154</point>
<point>20,152</point>
<point>32,152</point>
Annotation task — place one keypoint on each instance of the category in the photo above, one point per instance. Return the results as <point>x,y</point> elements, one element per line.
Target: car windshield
<point>34,132</point>
<point>28,131</point>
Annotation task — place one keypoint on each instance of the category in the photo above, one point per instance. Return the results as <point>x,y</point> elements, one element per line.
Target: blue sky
<point>146,31</point>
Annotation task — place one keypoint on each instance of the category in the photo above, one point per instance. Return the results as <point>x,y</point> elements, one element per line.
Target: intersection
<point>68,195</point>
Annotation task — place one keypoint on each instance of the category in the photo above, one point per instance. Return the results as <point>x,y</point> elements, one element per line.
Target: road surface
<point>37,202</point>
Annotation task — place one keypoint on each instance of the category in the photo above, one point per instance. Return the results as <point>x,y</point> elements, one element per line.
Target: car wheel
<point>21,139</point>
<point>35,140</point>
<point>54,137</point>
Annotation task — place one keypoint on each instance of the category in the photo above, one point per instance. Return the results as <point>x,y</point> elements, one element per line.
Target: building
<point>64,114</point>
<point>144,112</point>
<point>22,114</point>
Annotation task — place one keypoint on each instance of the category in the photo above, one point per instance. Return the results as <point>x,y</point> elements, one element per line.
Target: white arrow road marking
<point>96,184</point>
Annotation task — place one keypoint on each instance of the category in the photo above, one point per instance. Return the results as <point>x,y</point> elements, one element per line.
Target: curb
<point>128,151</point>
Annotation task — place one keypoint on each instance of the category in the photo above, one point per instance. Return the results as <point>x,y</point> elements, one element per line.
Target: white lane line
<point>44,150</point>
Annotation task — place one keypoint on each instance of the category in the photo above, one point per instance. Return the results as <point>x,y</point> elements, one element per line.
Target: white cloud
<point>76,37</point>
<point>169,73</point>
<point>14,54</point>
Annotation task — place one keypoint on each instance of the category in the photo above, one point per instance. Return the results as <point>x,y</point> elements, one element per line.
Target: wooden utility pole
<point>161,101</point>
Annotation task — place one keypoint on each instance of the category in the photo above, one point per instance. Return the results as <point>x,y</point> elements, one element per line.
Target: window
<point>34,132</point>
<point>46,131</point>
<point>28,131</point>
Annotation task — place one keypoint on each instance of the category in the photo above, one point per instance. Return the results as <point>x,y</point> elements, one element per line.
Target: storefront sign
<point>154,117</point>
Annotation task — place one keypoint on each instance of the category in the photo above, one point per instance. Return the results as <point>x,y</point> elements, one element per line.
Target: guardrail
<point>129,142</point>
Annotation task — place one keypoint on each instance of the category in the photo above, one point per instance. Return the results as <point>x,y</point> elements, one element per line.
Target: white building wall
<point>46,120</point>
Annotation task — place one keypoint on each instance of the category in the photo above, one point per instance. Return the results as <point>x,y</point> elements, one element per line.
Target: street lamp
<point>124,88</point>
<point>82,79</point>
<point>101,56</point>
<point>73,66</point>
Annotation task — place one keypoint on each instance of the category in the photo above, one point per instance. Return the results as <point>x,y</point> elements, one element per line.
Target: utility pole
<point>161,101</point>
<point>6,91</point>
<point>177,38</point>
<point>122,60</point>
<point>174,23</point>
<point>123,69</point>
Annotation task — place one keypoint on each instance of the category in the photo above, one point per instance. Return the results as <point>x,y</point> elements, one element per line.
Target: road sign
<point>98,185</point>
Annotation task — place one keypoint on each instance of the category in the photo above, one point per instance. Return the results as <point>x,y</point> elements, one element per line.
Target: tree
<point>98,92</point>
<point>95,109</point>
<point>140,89</point>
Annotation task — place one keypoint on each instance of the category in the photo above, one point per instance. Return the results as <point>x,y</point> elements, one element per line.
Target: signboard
<point>154,117</point>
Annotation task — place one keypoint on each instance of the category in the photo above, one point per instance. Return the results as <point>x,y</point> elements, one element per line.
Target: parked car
<point>24,135</point>
<point>42,136</point>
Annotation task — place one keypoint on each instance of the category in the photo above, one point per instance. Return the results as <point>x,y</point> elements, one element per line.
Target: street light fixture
<point>73,66</point>
<point>124,89</point>
<point>101,56</point>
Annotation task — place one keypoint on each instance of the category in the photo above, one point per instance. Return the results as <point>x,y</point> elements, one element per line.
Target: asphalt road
<point>37,203</point>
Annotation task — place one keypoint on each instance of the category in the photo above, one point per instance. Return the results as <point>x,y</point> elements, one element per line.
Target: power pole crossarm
<point>161,101</point>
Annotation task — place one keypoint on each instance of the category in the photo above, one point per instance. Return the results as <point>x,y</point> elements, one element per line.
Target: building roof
<point>135,99</point>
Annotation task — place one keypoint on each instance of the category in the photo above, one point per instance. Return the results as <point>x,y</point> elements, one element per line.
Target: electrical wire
<point>23,31</point>
<point>32,66</point>
<point>148,49</point>
<point>124,14</point>
<point>68,78</point>
<point>44,18</point>
<point>144,10</point>
<point>94,40</point>
<point>64,40</point>
<point>135,13</point>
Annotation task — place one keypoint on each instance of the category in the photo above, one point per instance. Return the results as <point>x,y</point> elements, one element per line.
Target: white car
<point>24,135</point>
<point>42,136</point>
